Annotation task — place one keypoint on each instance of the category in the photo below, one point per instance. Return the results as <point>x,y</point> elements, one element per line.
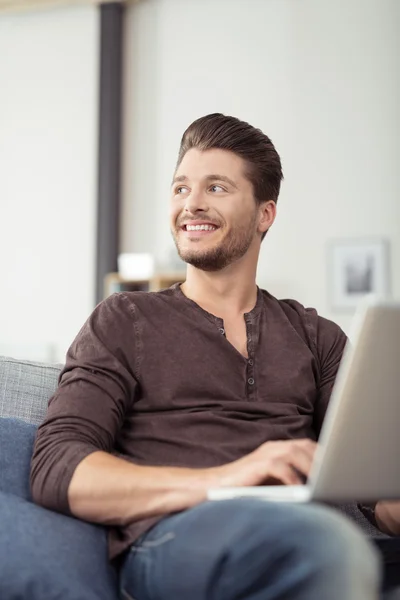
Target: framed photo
<point>356,268</point>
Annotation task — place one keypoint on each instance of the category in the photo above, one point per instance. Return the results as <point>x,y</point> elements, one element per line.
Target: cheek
<point>233,218</point>
<point>173,214</point>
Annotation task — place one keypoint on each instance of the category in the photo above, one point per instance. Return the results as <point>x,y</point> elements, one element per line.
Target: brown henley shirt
<point>152,378</point>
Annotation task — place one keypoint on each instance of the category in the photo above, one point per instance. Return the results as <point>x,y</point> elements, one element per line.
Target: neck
<point>232,289</point>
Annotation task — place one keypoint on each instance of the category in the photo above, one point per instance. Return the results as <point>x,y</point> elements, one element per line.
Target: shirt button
<point>250,381</point>
<point>222,330</point>
<point>251,362</point>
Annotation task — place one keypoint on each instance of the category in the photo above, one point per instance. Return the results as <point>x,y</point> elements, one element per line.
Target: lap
<point>228,519</point>
<point>184,551</point>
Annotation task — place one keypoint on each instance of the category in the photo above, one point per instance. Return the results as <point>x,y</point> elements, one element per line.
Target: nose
<point>196,201</point>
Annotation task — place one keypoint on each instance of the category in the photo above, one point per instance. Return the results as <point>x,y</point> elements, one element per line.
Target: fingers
<point>301,460</point>
<point>281,472</point>
<point>283,459</point>
<point>307,446</point>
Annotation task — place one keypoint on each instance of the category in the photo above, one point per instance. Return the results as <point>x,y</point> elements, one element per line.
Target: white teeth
<point>200,228</point>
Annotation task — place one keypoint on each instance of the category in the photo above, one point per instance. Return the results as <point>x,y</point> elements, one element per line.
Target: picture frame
<point>357,267</point>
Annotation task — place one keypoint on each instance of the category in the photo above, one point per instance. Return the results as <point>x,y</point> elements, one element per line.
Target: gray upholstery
<point>25,388</point>
<point>356,515</point>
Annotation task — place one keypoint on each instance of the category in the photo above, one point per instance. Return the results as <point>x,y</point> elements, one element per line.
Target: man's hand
<point>283,462</point>
<point>387,514</point>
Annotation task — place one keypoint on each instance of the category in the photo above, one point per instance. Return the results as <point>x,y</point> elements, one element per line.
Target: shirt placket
<point>250,383</point>
<point>250,370</point>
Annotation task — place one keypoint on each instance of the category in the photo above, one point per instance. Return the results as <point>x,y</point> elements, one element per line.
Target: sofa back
<point>25,388</point>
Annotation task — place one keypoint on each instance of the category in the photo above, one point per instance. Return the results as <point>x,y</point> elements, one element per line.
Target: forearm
<point>387,516</point>
<point>109,490</point>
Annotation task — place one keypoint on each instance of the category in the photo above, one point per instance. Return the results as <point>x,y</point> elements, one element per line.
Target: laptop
<point>358,455</point>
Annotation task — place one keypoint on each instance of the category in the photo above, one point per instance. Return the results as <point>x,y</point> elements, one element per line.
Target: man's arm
<point>110,490</point>
<point>96,390</point>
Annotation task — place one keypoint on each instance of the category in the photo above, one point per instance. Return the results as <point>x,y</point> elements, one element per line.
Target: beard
<point>232,247</point>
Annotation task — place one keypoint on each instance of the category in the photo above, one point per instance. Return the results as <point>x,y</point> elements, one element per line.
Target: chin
<point>211,260</point>
<point>197,250</point>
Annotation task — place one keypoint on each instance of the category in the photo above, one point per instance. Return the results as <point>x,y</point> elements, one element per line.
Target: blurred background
<point>87,144</point>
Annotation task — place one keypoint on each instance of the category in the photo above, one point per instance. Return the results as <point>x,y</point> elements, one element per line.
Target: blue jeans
<point>248,549</point>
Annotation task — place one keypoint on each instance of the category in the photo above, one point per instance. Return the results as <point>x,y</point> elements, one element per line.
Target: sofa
<point>25,388</point>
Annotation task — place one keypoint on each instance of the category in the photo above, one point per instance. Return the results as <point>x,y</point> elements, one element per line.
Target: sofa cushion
<point>44,554</point>
<point>16,445</point>
<point>25,388</point>
<point>47,555</point>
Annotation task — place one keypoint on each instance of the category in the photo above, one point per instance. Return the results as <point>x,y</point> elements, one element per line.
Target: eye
<point>181,189</point>
<point>217,188</point>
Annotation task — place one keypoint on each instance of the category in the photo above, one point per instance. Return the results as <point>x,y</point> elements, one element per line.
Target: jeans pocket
<point>146,542</point>
<point>167,537</point>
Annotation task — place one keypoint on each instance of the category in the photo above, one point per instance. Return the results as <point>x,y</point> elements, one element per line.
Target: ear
<point>267,214</point>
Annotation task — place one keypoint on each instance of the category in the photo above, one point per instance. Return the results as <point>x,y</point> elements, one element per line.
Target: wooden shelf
<point>113,282</point>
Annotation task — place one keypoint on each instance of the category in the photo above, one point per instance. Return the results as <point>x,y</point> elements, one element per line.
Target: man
<point>212,383</point>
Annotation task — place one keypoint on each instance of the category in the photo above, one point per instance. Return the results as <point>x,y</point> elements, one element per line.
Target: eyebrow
<point>212,177</point>
<point>179,179</point>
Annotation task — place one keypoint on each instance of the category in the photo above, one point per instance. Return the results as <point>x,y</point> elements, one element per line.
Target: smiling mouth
<point>206,228</point>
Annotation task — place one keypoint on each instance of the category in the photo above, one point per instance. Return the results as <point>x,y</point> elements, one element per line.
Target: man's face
<point>214,216</point>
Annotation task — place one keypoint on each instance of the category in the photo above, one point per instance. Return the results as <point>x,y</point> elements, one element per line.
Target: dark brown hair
<point>264,169</point>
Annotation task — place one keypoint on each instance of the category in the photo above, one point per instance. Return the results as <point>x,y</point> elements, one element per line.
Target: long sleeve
<point>330,342</point>
<point>327,341</point>
<point>96,389</point>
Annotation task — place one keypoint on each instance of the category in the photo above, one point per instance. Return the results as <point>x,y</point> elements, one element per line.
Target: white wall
<point>321,78</point>
<point>48,160</point>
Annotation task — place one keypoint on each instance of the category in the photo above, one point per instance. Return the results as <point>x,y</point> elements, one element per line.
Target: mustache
<point>187,220</point>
